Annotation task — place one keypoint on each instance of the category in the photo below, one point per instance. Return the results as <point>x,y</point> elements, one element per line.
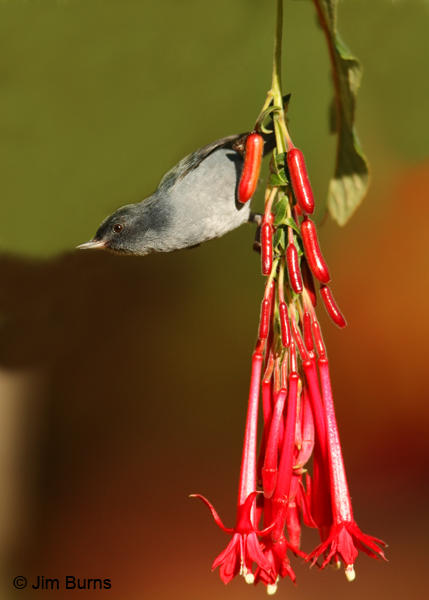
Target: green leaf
<point>282,218</point>
<point>350,182</point>
<point>278,179</point>
<point>281,211</point>
<point>279,159</point>
<point>297,240</point>
<point>291,223</point>
<point>279,239</point>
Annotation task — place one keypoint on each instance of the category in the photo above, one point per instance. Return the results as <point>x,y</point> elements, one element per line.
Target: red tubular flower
<point>345,537</point>
<point>264,322</point>
<point>332,307</point>
<point>248,461</point>
<point>267,308</point>
<point>317,334</point>
<point>300,182</point>
<point>266,392</point>
<point>284,477</point>
<point>284,325</point>
<point>304,499</point>
<point>251,167</point>
<point>293,514</point>
<point>316,262</point>
<point>244,548</point>
<point>267,247</point>
<point>276,554</point>
<point>307,433</point>
<point>320,495</point>
<point>308,338</point>
<point>267,408</point>
<point>269,472</point>
<point>292,261</point>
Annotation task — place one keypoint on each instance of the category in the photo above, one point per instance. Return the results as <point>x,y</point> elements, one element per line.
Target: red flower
<point>345,538</point>
<point>244,548</point>
<point>275,553</point>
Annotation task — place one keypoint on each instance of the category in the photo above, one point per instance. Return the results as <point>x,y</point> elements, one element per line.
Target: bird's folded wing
<point>192,161</point>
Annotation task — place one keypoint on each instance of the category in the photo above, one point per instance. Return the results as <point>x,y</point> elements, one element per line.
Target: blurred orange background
<point>123,381</point>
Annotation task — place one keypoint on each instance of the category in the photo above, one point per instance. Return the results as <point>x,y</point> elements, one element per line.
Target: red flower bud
<point>267,391</point>
<point>293,359</point>
<point>277,375</point>
<point>298,340</point>
<point>316,262</point>
<point>294,273</point>
<point>308,281</point>
<point>308,338</point>
<point>284,325</point>
<point>264,322</point>
<point>320,346</point>
<point>300,182</point>
<point>267,248</point>
<point>251,168</point>
<point>331,306</point>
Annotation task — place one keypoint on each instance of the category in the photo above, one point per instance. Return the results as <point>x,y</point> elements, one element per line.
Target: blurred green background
<point>123,381</point>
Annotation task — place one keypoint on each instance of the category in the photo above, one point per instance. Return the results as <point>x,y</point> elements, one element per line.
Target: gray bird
<point>196,201</point>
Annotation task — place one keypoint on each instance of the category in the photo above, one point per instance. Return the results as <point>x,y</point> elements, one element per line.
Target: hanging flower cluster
<point>290,371</point>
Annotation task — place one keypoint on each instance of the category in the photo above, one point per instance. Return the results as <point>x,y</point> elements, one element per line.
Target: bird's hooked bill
<point>100,244</point>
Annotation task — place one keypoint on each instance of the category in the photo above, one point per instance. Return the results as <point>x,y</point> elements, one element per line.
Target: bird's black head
<point>123,232</point>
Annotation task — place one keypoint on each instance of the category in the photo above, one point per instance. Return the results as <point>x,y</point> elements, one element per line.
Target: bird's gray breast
<point>203,205</point>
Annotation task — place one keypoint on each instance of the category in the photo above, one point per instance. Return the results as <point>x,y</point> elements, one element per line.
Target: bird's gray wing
<point>191,162</point>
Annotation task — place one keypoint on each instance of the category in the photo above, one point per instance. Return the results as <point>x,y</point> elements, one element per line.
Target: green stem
<point>276,85</point>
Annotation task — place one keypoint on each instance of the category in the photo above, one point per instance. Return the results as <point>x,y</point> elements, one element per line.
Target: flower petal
<point>230,567</point>
<point>368,540</point>
<point>214,513</point>
<point>254,552</point>
<point>346,547</point>
<point>233,547</point>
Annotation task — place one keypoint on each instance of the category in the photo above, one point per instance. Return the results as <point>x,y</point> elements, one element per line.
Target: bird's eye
<point>118,228</point>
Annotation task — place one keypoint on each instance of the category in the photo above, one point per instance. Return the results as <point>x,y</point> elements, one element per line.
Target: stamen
<point>271,589</point>
<point>350,573</point>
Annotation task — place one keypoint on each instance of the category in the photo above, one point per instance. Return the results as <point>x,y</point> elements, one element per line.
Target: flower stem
<point>276,85</point>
